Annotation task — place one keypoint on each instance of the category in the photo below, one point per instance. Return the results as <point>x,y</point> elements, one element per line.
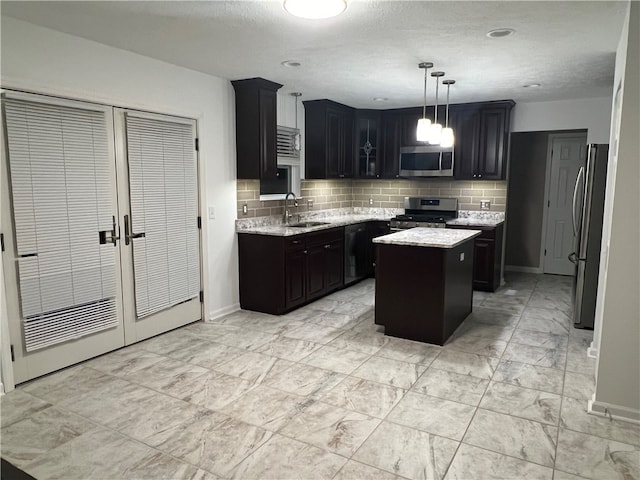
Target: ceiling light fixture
<point>315,9</point>
<point>296,138</point>
<point>290,63</point>
<point>424,124</point>
<point>435,130</point>
<point>500,32</point>
<point>380,99</point>
<point>447,139</point>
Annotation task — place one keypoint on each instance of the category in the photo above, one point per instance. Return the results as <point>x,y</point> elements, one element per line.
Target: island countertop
<point>428,237</point>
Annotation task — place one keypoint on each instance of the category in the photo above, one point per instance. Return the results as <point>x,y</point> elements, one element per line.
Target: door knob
<point>128,237</point>
<point>109,236</point>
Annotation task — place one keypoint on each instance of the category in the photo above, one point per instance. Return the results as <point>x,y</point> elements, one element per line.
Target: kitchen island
<point>424,282</point>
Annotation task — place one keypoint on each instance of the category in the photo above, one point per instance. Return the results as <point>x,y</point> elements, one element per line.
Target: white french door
<point>76,188</point>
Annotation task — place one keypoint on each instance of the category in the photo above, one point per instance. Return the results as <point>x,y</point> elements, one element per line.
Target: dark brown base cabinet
<point>487,257</point>
<point>423,293</point>
<point>278,274</point>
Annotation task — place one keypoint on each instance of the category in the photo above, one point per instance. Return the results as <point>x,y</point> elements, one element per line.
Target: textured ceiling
<point>372,50</point>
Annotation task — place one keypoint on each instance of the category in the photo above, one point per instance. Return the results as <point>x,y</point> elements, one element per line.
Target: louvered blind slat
<point>59,163</point>
<point>286,144</point>
<point>163,193</point>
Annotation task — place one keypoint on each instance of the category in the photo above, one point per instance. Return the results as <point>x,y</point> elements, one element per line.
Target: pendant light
<point>447,139</point>
<point>435,130</point>
<point>296,138</point>
<point>424,124</point>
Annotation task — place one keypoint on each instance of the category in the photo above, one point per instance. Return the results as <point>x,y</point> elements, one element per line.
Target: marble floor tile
<point>266,407</point>
<point>305,380</point>
<point>24,441</point>
<point>574,416</point>
<point>211,331</point>
<point>486,330</point>
<point>66,383</point>
<point>359,471</point>
<point>409,351</point>
<point>336,359</point>
<point>466,363</point>
<point>530,376</point>
<point>390,372</point>
<point>451,386</point>
<point>497,304</point>
<point>579,385</point>
<point>476,463</point>
<point>407,452</point>
<point>254,367</point>
<point>124,361</point>
<point>541,356</point>
<point>169,342</point>
<point>433,415</point>
<point>330,428</point>
<point>517,300</point>
<point>313,332</point>
<point>334,320</point>
<point>168,375</point>
<point>493,317</point>
<point>357,394</point>
<point>580,362</point>
<point>247,339</point>
<point>285,458</point>
<point>288,348</point>
<point>325,304</point>
<point>214,390</point>
<point>512,436</point>
<point>353,309</point>
<point>539,339</point>
<point>361,341</point>
<point>596,458</point>
<point>545,320</point>
<point>207,354</point>
<point>552,300</point>
<point>536,405</point>
<point>488,347</point>
<point>18,405</point>
<point>92,456</point>
<point>559,475</point>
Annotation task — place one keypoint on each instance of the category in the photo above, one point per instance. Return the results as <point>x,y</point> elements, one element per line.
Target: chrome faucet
<point>287,214</point>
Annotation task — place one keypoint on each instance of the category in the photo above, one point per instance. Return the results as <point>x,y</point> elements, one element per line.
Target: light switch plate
<point>310,203</point>
<point>245,209</point>
<point>212,213</point>
<point>485,204</point>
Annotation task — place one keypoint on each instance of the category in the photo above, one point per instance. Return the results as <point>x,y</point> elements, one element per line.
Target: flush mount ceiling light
<point>424,124</point>
<point>290,63</point>
<point>380,99</point>
<point>315,9</point>
<point>500,32</point>
<point>531,85</point>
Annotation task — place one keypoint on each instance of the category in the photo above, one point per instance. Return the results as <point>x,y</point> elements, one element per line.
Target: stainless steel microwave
<point>426,161</point>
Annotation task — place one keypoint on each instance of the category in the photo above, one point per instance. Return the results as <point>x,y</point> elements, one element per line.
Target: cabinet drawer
<point>296,242</point>
<point>488,233</point>
<point>325,236</point>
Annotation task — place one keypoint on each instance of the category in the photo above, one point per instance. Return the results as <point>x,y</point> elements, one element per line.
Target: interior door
<point>158,188</point>
<point>59,219</point>
<point>567,157</point>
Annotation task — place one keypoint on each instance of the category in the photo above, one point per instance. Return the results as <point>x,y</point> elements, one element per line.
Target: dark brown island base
<point>424,282</point>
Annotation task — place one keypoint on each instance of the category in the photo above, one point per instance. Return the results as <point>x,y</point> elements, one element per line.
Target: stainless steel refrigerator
<point>588,210</point>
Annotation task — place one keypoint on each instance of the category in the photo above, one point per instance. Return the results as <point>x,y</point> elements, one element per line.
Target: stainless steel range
<point>430,212</point>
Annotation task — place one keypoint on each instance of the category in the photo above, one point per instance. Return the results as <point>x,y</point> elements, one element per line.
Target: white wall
<point>618,306</point>
<point>594,114</point>
<point>42,60</point>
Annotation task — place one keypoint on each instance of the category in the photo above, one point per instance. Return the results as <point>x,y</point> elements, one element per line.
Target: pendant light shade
<point>424,124</point>
<point>315,9</point>
<point>447,138</point>
<point>435,131</point>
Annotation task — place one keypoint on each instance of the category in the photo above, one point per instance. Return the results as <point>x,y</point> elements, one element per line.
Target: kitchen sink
<point>307,224</point>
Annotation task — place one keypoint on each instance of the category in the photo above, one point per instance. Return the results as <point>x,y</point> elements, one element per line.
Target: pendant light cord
<point>446,121</point>
<point>424,102</point>
<point>436,114</point>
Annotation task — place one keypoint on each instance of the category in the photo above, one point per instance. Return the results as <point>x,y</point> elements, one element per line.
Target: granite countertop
<point>428,237</point>
<point>475,222</point>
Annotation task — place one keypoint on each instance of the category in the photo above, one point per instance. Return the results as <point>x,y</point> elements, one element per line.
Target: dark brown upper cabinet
<point>392,121</point>
<point>256,147</point>
<point>328,139</point>
<point>367,143</point>
<point>482,140</point>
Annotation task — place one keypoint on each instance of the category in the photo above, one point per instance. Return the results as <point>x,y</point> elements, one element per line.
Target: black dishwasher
<point>357,264</point>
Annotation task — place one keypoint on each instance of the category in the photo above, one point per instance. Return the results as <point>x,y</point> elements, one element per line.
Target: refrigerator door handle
<point>575,198</point>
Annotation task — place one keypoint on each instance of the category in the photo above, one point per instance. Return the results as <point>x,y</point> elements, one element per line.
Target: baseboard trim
<point>592,351</point>
<point>616,412</point>
<point>518,268</point>
<point>221,312</point>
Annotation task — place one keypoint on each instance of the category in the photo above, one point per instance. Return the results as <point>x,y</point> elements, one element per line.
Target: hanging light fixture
<point>315,9</point>
<point>435,130</point>
<point>424,124</point>
<point>446,138</point>
<point>296,138</point>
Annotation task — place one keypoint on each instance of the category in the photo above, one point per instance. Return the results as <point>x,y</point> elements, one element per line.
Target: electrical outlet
<point>485,204</point>
<point>212,213</point>
<point>371,201</point>
<point>245,209</point>
<point>310,203</point>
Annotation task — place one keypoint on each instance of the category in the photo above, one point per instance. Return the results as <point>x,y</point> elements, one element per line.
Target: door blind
<point>59,166</point>
<point>164,206</point>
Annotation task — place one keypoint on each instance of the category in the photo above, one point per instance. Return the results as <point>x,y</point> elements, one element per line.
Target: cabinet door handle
<point>305,252</point>
<point>479,176</point>
<point>295,242</point>
<point>327,247</point>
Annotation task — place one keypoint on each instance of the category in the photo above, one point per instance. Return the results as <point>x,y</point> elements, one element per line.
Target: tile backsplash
<point>341,193</point>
